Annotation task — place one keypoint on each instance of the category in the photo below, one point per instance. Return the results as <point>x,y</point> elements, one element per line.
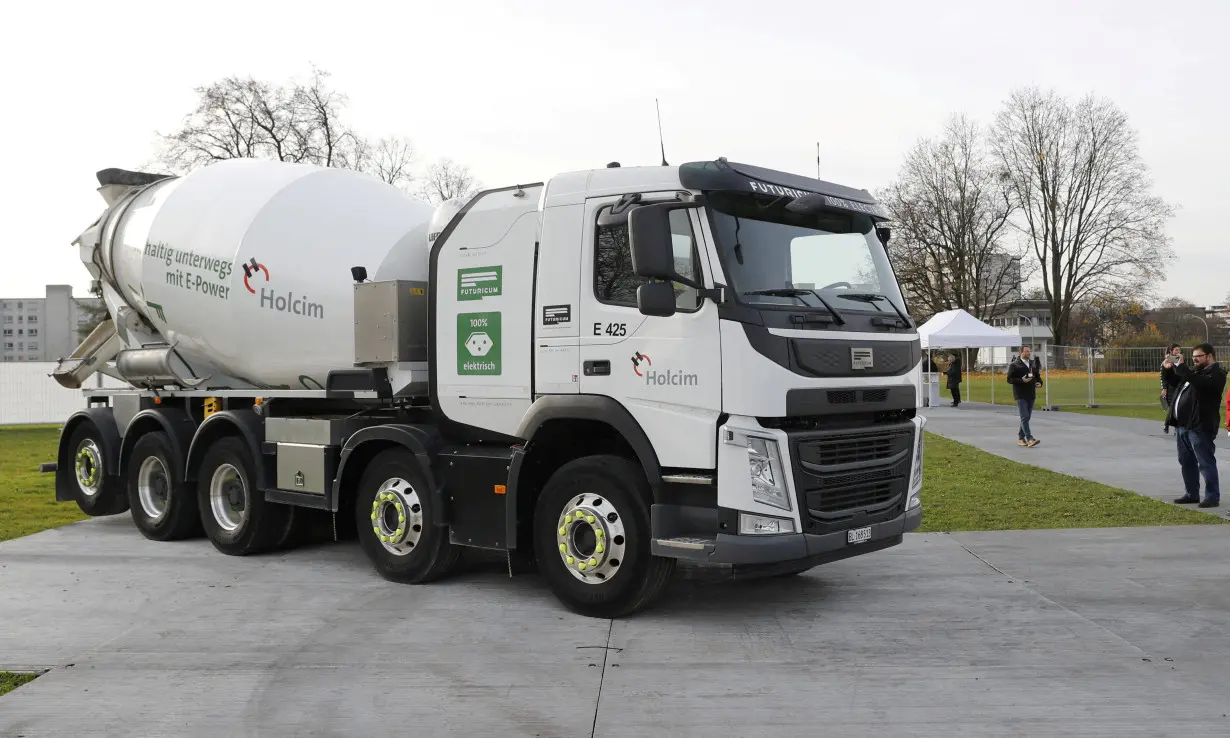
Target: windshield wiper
<point>875,297</point>
<point>797,292</point>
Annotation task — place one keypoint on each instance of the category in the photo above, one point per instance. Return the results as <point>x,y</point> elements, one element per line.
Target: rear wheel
<point>592,538</point>
<point>95,491</point>
<point>395,519</point>
<point>163,508</point>
<point>234,512</point>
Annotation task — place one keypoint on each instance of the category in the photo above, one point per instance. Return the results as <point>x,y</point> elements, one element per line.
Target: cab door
<point>666,371</point>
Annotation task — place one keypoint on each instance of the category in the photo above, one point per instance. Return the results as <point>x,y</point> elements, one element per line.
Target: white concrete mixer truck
<point>597,376</point>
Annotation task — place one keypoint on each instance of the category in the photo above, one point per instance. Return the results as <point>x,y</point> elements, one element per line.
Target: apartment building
<point>42,328</point>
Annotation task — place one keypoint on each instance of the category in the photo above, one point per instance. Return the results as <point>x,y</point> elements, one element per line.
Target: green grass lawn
<point>1140,412</point>
<point>10,681</point>
<point>965,488</point>
<point>27,497</point>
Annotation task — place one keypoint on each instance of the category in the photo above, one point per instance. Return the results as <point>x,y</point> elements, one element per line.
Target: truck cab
<point>738,332</point>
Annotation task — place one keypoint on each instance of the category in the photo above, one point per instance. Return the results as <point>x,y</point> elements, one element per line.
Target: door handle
<point>598,367</point>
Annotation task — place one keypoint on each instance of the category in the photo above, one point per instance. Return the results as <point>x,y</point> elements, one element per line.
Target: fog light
<point>915,501</point>
<point>759,525</point>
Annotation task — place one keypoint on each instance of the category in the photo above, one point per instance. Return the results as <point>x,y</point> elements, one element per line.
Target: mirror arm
<point>717,294</point>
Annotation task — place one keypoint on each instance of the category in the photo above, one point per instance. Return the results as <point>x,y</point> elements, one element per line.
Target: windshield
<point>768,248</point>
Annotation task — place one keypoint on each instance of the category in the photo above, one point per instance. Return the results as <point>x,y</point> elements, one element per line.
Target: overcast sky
<point>520,90</point>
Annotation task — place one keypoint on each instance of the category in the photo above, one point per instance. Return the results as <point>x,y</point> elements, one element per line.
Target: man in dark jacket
<point>1023,375</point>
<point>953,372</point>
<point>1170,380</point>
<point>1195,414</point>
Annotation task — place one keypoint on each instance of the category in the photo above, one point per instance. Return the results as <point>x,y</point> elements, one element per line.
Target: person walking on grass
<point>953,372</point>
<point>1170,380</point>
<point>1195,414</point>
<point>1025,380</point>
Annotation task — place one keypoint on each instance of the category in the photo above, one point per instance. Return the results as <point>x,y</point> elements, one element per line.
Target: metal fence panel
<point>28,394</point>
<point>1073,376</point>
<point>1101,375</point>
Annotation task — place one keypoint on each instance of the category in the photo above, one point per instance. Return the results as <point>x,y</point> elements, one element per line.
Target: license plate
<point>859,535</point>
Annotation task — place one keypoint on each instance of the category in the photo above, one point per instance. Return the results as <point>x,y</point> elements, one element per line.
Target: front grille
<point>852,448</point>
<point>844,500</point>
<point>842,397</point>
<point>854,477</point>
<point>877,395</point>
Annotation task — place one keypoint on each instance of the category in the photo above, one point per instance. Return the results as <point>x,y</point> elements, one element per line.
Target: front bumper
<point>789,551</point>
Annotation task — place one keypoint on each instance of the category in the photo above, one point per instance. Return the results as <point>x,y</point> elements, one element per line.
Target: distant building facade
<point>1029,319</point>
<point>42,328</point>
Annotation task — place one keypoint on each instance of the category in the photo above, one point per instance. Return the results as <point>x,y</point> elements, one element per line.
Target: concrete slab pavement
<point>1103,632</point>
<point>1126,453</point>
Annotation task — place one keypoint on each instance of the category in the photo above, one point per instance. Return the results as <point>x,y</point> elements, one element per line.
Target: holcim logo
<point>674,378</point>
<point>286,303</point>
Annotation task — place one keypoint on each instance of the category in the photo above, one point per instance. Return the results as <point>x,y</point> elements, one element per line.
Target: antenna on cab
<point>661,143</point>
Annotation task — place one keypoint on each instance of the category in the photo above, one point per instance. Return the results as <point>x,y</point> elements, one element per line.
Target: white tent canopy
<point>959,329</point>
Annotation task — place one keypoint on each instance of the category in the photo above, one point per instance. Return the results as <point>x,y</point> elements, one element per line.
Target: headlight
<point>765,466</point>
<point>916,475</point>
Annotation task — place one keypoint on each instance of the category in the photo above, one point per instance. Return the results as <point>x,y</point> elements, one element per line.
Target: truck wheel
<point>162,507</point>
<point>395,519</point>
<point>95,491</point>
<point>592,538</point>
<point>236,517</point>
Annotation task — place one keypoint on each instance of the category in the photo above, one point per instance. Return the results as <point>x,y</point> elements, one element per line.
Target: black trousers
<point>956,394</point>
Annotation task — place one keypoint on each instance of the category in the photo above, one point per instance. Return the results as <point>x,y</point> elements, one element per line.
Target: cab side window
<point>614,281</point>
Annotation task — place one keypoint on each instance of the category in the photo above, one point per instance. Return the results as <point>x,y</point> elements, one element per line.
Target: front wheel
<point>592,538</point>
<point>395,518</point>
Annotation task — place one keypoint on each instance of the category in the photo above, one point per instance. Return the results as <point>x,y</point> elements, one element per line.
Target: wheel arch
<point>366,444</point>
<point>103,420</point>
<point>242,423</point>
<point>590,409</point>
<point>174,422</point>
<point>560,429</point>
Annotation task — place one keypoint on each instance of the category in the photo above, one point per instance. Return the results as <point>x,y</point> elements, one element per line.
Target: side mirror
<point>656,299</point>
<point>651,243</point>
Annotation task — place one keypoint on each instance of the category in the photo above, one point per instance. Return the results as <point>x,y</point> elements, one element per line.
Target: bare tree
<point>1084,197</point>
<point>1107,320</point>
<point>951,211</point>
<point>302,122</point>
<point>391,159</point>
<point>447,180</point>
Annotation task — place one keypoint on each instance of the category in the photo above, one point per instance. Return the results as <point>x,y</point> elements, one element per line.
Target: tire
<point>620,577</point>
<point>95,490</point>
<point>234,513</point>
<point>395,504</point>
<point>163,507</point>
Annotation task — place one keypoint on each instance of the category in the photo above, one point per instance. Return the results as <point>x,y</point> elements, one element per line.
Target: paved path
<point>1108,632</point>
<point>1123,452</point>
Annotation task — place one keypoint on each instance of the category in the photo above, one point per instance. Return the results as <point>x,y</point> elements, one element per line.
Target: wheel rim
<point>228,497</point>
<point>89,467</point>
<point>154,487</point>
<point>397,516</point>
<point>591,538</point>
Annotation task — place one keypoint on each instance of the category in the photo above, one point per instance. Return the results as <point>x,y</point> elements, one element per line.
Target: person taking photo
<point>1195,414</point>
